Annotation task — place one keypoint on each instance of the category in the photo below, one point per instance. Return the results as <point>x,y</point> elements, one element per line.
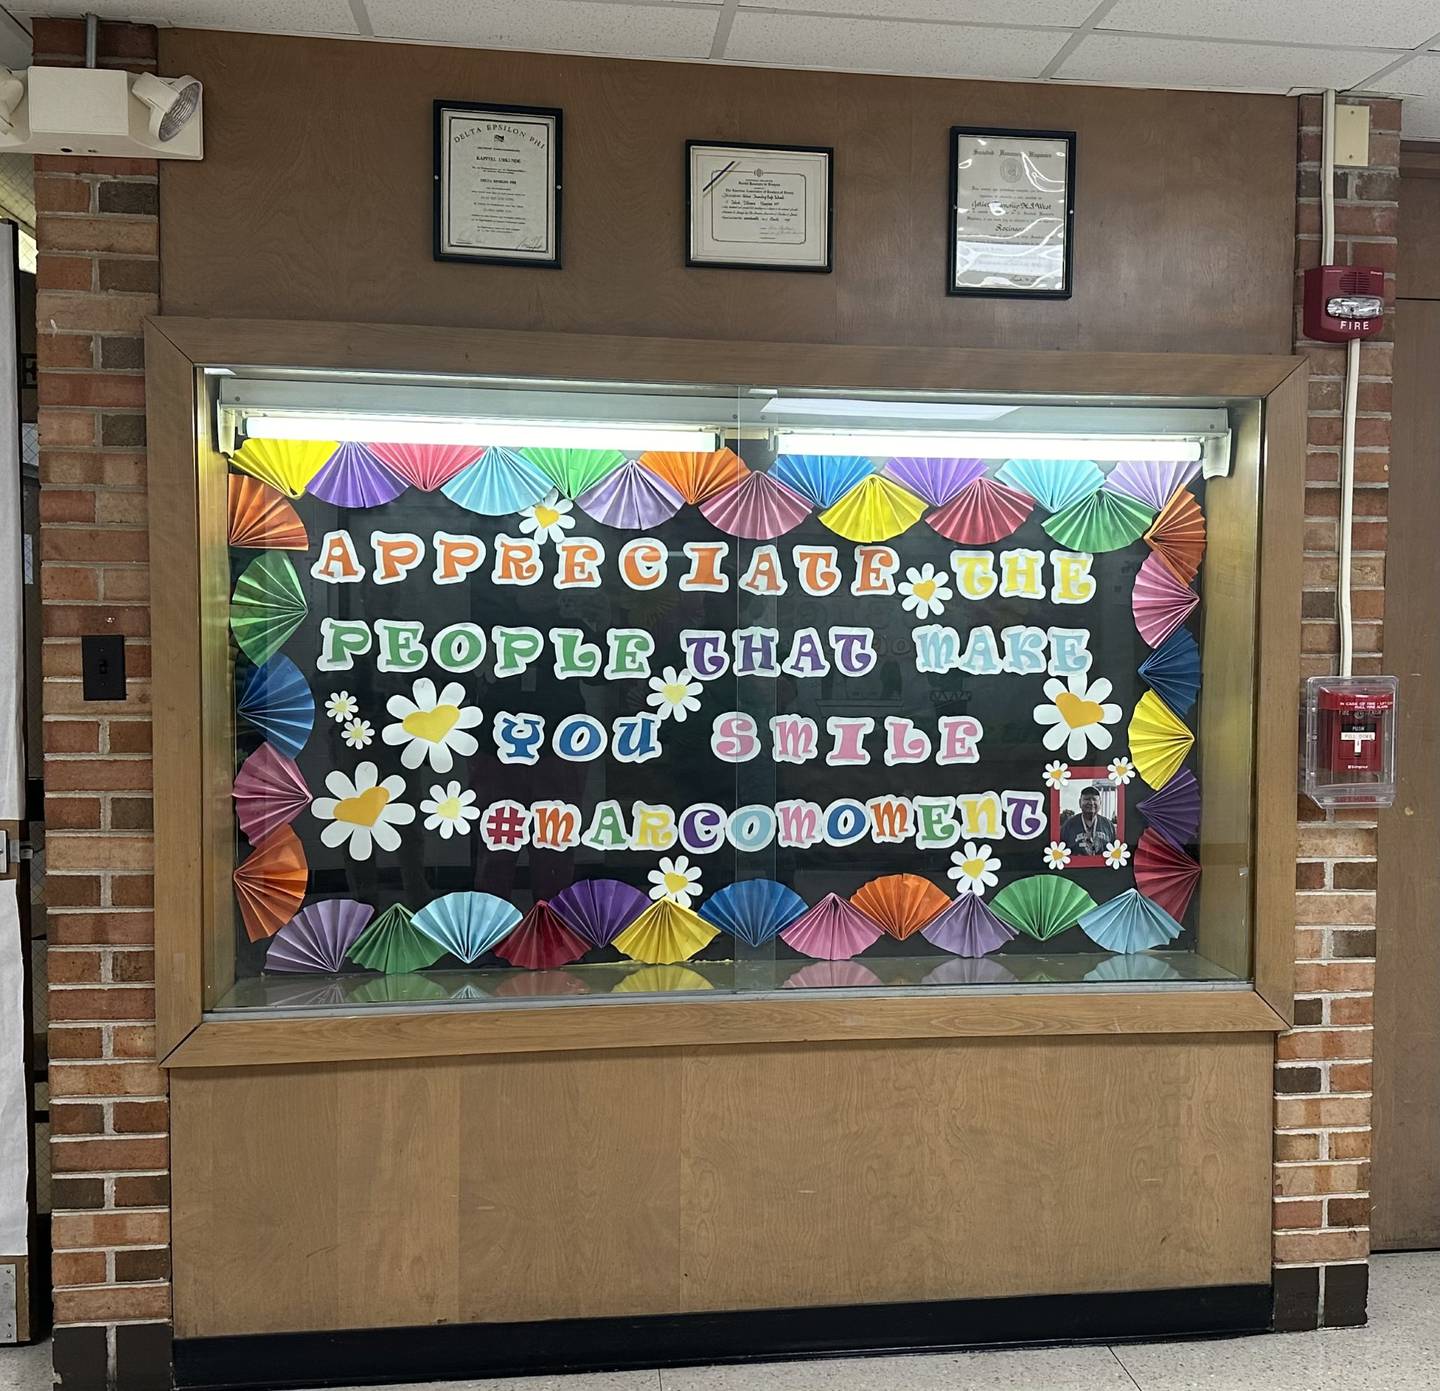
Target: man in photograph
<point>1086,832</point>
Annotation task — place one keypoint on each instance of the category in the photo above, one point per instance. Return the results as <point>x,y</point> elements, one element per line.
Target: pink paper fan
<point>758,508</point>
<point>936,480</point>
<point>833,975</point>
<point>1151,481</point>
<point>630,497</point>
<point>427,466</point>
<point>318,936</point>
<point>982,512</point>
<point>1160,602</point>
<point>834,929</point>
<point>269,793</point>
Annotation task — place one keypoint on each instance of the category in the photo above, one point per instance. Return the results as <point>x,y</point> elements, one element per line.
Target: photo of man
<point>1087,814</point>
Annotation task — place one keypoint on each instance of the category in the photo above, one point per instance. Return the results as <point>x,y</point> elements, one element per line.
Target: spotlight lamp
<point>173,103</point>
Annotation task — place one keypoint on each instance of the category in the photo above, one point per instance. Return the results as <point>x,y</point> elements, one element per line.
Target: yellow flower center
<point>1077,713</point>
<point>675,691</point>
<point>923,589</point>
<point>431,725</point>
<point>546,516</point>
<point>364,808</point>
<point>675,883</point>
<point>973,868</point>
<point>449,808</point>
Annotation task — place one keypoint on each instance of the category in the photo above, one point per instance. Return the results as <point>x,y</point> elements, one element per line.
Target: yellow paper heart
<point>432,725</point>
<point>1077,713</point>
<point>923,589</point>
<point>546,516</point>
<point>363,809</point>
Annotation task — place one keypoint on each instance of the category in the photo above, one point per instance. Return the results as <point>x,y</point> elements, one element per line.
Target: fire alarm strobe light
<point>1344,302</point>
<point>1350,740</point>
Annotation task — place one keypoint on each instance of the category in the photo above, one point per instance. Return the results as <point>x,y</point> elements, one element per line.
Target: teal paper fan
<point>498,482</point>
<point>822,478</point>
<point>754,910</point>
<point>467,925</point>
<point>1129,923</point>
<point>1054,483</point>
<point>267,607</point>
<point>1102,521</point>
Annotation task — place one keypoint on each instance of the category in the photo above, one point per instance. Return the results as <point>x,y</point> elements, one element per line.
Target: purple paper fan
<point>353,477</point>
<point>936,480</point>
<point>318,936</point>
<point>971,970</point>
<point>269,792</point>
<point>758,508</point>
<point>630,497</point>
<point>967,928</point>
<point>1151,481</point>
<point>1174,811</point>
<point>598,909</point>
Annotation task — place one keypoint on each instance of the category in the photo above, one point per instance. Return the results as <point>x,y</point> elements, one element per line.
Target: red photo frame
<point>1065,805</point>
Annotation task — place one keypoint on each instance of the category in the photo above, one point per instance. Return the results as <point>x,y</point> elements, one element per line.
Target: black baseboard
<point>467,1351</point>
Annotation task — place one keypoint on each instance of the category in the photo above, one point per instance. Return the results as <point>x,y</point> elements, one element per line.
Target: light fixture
<point>1101,448</point>
<point>474,430</point>
<point>906,410</point>
<point>173,103</point>
<point>12,93</point>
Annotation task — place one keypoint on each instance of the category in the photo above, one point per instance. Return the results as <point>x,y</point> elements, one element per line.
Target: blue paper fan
<point>499,481</point>
<point>1172,671</point>
<point>1129,923</point>
<point>467,925</point>
<point>278,702</point>
<point>754,910</point>
<point>1053,483</point>
<point>822,478</point>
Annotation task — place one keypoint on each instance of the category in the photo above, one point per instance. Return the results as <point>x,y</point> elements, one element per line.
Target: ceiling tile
<point>552,26</point>
<point>1013,12</point>
<point>1420,119</point>
<point>1418,76</point>
<point>1376,24</point>
<point>864,45</point>
<point>1152,62</point>
<point>256,16</point>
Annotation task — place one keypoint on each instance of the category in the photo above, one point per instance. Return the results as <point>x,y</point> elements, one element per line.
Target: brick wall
<point>1323,1066</point>
<point>98,277</point>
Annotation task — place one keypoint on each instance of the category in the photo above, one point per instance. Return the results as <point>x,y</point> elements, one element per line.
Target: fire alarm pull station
<point>1350,740</point>
<point>1344,302</point>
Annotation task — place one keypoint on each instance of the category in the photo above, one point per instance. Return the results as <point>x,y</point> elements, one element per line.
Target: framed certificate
<point>1012,212</point>
<point>758,207</point>
<point>497,183</point>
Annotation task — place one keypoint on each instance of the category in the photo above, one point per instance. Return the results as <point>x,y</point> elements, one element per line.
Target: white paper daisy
<point>674,694</point>
<point>1057,774</point>
<point>1077,714</point>
<point>450,810</point>
<point>1117,855</point>
<point>549,519</point>
<point>432,726</point>
<point>1121,770</point>
<point>358,734</point>
<point>1057,855</point>
<point>341,706</point>
<point>926,590</point>
<point>677,879</point>
<point>363,812</point>
<point>973,869</point>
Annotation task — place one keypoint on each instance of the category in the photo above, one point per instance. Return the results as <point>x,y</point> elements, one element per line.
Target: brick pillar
<point>98,277</point>
<point>1323,1066</point>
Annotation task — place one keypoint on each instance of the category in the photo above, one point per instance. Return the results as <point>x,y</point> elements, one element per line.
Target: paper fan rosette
<point>1178,536</point>
<point>1172,671</point>
<point>1160,741</point>
<point>392,944</point>
<point>821,479</point>
<point>901,904</point>
<point>533,984</point>
<point>353,477</point>
<point>661,980</point>
<point>1100,521</point>
<point>426,466</point>
<point>394,989</point>
<point>935,480</point>
<point>598,909</point>
<point>1160,601</point>
<point>1054,483</point>
<point>876,509</point>
<point>318,936</point>
<point>1164,873</point>
<point>498,482</point>
<point>1134,966</point>
<point>284,464</point>
<point>267,606</point>
<point>574,470</point>
<point>758,508</point>
<point>269,792</point>
<point>832,975</point>
<point>981,513</point>
<point>277,701</point>
<point>467,925</point>
<point>1174,811</point>
<point>270,883</point>
<point>696,476</point>
<point>1129,923</point>
<point>971,970</point>
<point>967,927</point>
<point>541,941</point>
<point>832,930</point>
<point>1151,481</point>
<point>664,933</point>
<point>630,498</point>
<point>262,518</point>
<point>1041,906</point>
<point>753,910</point>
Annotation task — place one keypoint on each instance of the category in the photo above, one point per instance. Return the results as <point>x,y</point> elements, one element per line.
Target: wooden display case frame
<point>189,640</point>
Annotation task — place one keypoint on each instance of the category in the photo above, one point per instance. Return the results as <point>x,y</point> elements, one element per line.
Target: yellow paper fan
<point>874,510</point>
<point>1159,740</point>
<point>656,978</point>
<point>285,464</point>
<point>664,932</point>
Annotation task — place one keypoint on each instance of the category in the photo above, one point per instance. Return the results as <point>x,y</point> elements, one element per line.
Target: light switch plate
<point>1352,135</point>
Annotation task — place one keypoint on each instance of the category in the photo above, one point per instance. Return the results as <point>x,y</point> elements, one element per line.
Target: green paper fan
<point>267,606</point>
<point>392,945</point>
<point>394,990</point>
<point>1104,521</point>
<point>1042,906</point>
<point>574,470</point>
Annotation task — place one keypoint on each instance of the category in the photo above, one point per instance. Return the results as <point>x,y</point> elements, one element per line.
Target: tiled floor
<point>1399,1351</point>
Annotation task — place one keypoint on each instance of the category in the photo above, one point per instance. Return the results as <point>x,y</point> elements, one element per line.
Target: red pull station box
<point>1344,302</point>
<point>1350,740</point>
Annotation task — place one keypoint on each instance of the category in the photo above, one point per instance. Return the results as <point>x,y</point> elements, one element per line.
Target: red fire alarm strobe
<point>1344,302</point>
<point>1350,740</point>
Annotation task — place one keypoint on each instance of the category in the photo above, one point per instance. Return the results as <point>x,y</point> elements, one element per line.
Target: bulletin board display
<point>553,721</point>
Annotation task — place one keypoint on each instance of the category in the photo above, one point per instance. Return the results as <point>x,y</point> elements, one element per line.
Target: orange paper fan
<point>696,476</point>
<point>262,519</point>
<point>901,903</point>
<point>270,883</point>
<point>1177,536</point>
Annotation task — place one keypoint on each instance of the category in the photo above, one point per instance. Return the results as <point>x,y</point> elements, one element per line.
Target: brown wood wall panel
<point>418,1191</point>
<point>313,201</point>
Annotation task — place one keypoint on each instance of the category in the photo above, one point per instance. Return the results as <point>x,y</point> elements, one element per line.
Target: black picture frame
<point>828,151</point>
<point>953,203</point>
<point>556,114</point>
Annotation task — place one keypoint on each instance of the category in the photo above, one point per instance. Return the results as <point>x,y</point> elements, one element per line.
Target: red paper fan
<point>427,466</point>
<point>696,476</point>
<point>982,512</point>
<point>540,940</point>
<point>901,903</point>
<point>1177,536</point>
<point>270,883</point>
<point>1164,874</point>
<point>261,517</point>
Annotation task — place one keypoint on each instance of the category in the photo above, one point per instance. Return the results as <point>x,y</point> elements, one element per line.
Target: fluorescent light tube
<point>1098,447</point>
<point>399,430</point>
<point>911,410</point>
